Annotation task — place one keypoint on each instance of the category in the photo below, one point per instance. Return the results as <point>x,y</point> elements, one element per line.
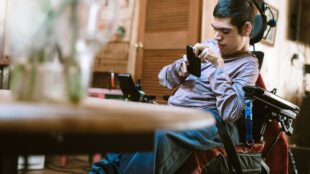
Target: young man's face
<point>230,41</point>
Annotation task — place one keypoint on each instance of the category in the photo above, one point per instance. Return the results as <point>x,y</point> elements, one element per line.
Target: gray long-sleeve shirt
<point>219,88</point>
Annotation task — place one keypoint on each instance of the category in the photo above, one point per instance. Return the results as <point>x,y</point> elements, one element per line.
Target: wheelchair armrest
<point>278,108</point>
<point>269,98</point>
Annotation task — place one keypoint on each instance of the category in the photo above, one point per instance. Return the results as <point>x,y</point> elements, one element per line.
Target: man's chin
<point>223,52</point>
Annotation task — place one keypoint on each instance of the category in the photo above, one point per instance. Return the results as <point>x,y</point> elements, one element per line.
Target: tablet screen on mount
<point>128,87</point>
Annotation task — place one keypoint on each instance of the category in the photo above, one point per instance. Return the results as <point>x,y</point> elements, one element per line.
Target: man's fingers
<point>185,59</point>
<point>195,47</point>
<point>212,56</point>
<point>204,54</point>
<point>198,48</point>
<point>183,70</point>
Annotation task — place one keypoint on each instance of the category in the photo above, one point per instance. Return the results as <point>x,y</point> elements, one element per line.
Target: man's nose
<point>217,36</point>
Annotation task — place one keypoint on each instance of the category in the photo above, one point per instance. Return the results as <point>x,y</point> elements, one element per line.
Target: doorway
<point>165,28</point>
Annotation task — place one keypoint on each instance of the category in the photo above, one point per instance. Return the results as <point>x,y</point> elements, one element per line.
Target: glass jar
<point>53,44</point>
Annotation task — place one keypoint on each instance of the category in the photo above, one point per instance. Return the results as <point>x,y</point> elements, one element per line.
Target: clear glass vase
<point>53,44</point>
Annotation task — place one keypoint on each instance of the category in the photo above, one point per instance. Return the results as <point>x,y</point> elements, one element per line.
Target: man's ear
<point>247,29</point>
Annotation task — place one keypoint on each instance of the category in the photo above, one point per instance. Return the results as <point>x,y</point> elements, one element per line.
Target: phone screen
<point>194,66</point>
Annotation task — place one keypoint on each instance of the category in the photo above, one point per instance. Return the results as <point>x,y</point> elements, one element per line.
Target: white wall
<point>278,70</point>
<point>2,15</point>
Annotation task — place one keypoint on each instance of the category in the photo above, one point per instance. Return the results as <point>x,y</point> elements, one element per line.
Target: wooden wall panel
<point>112,58</point>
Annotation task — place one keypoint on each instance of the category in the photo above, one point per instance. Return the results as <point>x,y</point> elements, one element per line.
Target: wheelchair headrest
<point>260,23</point>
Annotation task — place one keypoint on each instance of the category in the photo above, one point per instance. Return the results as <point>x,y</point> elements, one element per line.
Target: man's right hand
<point>183,69</point>
<point>204,53</point>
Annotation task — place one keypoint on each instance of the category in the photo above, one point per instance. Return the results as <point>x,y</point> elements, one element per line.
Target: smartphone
<point>194,66</point>
<point>128,87</point>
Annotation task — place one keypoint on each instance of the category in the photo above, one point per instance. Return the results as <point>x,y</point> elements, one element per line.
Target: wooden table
<point>96,125</point>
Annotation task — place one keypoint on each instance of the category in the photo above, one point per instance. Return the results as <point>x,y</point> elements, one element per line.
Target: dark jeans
<point>172,149</point>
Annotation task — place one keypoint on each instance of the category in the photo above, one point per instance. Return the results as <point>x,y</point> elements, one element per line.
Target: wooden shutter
<point>167,27</point>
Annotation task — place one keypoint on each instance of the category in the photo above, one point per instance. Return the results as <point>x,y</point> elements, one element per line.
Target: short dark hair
<point>240,11</point>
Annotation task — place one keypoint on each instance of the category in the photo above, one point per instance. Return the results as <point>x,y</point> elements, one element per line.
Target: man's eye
<point>225,31</point>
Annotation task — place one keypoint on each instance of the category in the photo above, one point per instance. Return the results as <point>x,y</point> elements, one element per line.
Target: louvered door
<point>166,27</point>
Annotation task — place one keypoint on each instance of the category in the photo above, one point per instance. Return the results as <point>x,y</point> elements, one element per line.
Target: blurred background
<point>152,33</point>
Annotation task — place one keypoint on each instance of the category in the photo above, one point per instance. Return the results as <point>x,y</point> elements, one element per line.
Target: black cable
<point>267,33</point>
<point>272,22</point>
<point>271,15</point>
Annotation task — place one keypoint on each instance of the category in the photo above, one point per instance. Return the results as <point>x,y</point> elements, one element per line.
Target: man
<point>228,66</point>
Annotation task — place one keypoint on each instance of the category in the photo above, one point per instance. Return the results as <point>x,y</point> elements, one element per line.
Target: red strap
<point>260,82</point>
